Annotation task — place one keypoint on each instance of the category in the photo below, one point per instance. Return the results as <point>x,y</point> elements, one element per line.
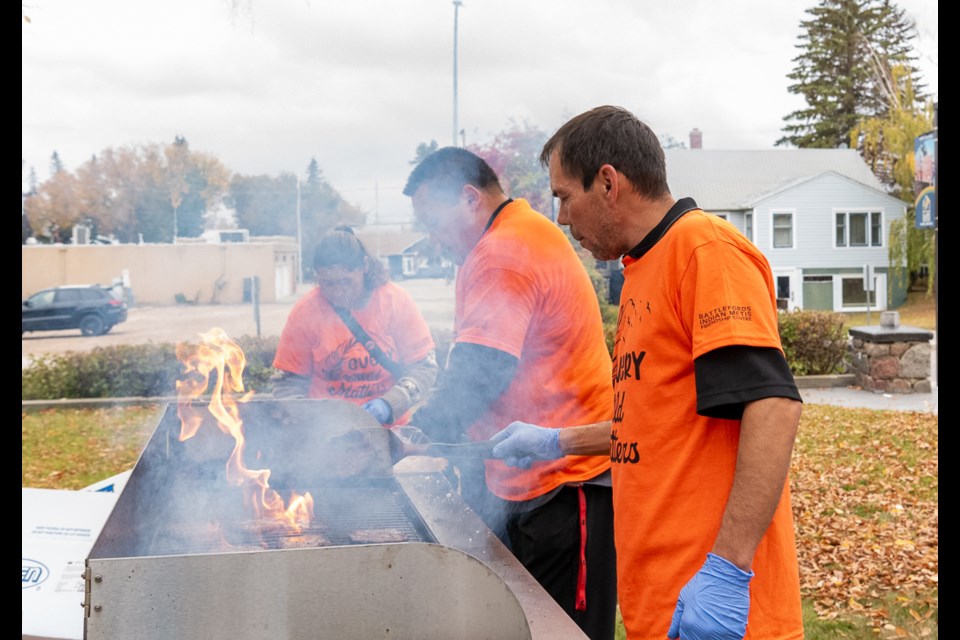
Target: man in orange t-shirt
<point>528,344</point>
<point>705,408</point>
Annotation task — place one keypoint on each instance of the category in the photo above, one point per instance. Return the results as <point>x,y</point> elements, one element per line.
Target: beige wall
<point>203,273</point>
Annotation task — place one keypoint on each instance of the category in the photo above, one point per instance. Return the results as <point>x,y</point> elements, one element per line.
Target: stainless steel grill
<point>386,555</point>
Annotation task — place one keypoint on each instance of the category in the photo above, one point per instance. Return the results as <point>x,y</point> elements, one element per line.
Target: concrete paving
<point>856,397</point>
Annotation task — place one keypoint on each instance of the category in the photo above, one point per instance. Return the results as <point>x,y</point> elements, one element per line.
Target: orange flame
<point>218,353</point>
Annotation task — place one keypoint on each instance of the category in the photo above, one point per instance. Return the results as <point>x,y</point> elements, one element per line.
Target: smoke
<point>178,499</point>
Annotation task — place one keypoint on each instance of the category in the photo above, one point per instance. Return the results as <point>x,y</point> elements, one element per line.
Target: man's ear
<point>471,195</point>
<point>609,180</point>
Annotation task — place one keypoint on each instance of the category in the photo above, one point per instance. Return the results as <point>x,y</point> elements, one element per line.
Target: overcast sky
<point>267,85</point>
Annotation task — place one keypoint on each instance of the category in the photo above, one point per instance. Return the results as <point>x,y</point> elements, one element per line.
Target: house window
<point>748,226</point>
<point>854,294</point>
<point>782,230</point>
<point>876,229</point>
<point>859,229</point>
<point>783,286</point>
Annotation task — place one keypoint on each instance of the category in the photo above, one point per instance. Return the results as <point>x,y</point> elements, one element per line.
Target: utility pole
<point>299,239</point>
<point>456,14</point>
<point>376,213</point>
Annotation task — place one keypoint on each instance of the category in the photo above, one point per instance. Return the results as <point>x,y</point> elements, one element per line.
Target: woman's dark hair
<point>340,247</point>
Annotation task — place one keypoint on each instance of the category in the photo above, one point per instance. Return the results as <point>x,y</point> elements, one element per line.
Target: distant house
<point>406,253</point>
<point>820,217</point>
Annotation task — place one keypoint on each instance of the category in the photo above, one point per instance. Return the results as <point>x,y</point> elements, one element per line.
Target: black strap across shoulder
<point>364,338</point>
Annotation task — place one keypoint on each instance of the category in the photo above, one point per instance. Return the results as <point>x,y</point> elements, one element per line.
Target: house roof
<point>730,180</point>
<point>388,242</point>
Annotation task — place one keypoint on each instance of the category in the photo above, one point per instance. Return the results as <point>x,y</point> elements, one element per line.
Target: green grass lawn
<point>919,311</point>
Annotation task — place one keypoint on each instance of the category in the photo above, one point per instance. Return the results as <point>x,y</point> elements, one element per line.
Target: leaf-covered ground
<point>865,497</point>
<point>74,448</point>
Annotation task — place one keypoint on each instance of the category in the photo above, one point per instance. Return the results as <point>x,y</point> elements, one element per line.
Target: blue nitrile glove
<point>520,443</point>
<point>714,604</point>
<point>380,409</point>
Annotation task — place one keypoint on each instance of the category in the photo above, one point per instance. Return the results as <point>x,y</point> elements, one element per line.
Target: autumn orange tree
<point>514,154</point>
<point>147,192</point>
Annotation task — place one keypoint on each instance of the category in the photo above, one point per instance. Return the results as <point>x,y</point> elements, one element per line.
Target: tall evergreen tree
<point>423,150</point>
<point>847,48</point>
<point>32,182</point>
<point>322,208</point>
<point>56,164</point>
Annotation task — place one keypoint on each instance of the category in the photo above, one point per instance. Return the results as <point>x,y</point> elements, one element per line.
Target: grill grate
<point>364,511</point>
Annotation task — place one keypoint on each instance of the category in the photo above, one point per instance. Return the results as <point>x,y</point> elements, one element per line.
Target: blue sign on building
<point>926,209</point>
<point>925,180</point>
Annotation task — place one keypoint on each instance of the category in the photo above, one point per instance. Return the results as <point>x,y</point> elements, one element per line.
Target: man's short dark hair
<point>448,170</point>
<point>614,136</point>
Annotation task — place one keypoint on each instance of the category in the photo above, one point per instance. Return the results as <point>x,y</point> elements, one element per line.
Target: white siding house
<point>818,215</point>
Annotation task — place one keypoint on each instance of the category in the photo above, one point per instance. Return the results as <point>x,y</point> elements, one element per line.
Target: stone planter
<point>892,359</point>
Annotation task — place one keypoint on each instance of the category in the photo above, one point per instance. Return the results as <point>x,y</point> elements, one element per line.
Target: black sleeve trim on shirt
<point>730,377</point>
<point>474,378</point>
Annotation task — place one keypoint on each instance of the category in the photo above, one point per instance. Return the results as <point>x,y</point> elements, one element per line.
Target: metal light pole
<point>456,14</point>
<point>299,239</point>
<point>376,213</point>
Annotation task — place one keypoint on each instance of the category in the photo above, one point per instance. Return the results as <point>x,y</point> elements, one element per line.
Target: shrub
<point>814,342</point>
<point>259,353</point>
<point>609,313</point>
<point>145,370</point>
<point>149,370</point>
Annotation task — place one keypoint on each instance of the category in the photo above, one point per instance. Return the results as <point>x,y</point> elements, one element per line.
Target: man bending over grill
<point>528,346</point>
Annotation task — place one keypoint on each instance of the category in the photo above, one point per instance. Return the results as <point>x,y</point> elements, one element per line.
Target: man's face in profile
<point>444,217</point>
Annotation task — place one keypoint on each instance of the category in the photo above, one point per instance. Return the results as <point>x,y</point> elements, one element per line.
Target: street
<point>184,323</point>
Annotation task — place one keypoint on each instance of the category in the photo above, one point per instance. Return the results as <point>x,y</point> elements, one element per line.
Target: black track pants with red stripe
<point>567,545</point>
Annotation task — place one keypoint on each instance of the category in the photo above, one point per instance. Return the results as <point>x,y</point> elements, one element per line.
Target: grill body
<point>387,556</point>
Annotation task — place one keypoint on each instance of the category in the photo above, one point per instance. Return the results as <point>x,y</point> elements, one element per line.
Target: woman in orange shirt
<point>356,336</point>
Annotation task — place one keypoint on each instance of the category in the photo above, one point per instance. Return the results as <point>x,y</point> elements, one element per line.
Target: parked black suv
<point>91,308</point>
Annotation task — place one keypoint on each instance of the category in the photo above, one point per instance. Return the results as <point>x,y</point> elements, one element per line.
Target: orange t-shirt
<point>523,290</point>
<point>315,342</point>
<point>702,286</point>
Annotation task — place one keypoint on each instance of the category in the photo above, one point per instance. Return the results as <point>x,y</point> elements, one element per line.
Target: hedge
<point>148,371</point>
<point>814,342</point>
<point>132,371</point>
